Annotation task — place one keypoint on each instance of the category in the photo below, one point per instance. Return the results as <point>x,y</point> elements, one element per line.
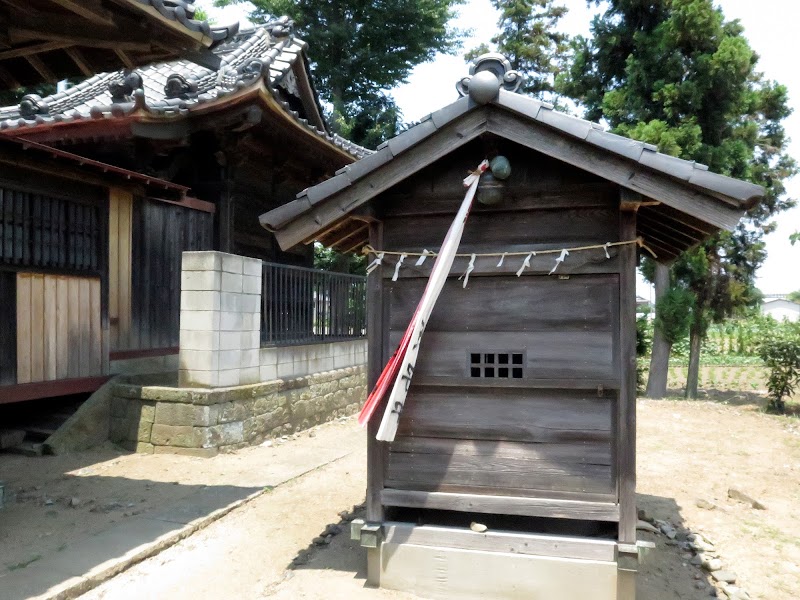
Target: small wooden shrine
<point>513,471</point>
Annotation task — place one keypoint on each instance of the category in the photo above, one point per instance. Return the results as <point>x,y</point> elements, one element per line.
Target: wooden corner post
<point>375,359</point>
<point>626,414</point>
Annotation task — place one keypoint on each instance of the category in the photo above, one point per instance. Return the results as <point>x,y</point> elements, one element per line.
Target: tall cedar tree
<point>529,39</point>
<point>361,48</point>
<point>676,74</point>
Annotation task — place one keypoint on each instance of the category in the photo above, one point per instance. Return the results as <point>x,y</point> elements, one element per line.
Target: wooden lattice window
<point>43,231</point>
<point>496,365</point>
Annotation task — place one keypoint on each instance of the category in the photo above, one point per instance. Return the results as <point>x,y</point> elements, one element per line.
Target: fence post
<point>220,320</point>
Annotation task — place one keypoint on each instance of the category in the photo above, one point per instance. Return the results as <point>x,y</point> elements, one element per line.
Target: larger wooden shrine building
<point>521,413</point>
<point>103,185</point>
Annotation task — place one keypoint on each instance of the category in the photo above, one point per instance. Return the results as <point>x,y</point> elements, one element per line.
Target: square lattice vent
<point>496,365</point>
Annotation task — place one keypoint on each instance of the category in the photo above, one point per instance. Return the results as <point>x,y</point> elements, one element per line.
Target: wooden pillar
<point>376,451</point>
<point>225,213</point>
<point>626,414</point>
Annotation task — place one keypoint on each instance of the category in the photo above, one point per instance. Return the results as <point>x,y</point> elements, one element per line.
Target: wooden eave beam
<point>704,229</point>
<point>665,225</point>
<point>80,60</point>
<point>360,228</point>
<point>41,68</point>
<point>32,49</point>
<point>126,60</point>
<point>89,10</point>
<point>9,79</point>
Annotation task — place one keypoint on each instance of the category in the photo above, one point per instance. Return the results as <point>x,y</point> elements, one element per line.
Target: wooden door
<point>59,332</point>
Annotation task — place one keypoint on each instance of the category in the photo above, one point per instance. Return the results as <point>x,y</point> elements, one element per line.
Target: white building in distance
<point>780,309</point>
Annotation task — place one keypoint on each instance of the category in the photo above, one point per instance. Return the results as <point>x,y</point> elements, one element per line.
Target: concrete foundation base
<point>438,572</point>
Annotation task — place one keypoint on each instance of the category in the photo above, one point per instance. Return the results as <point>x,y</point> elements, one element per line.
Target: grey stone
<point>173,413</point>
<point>712,564</point>
<point>724,576</point>
<point>178,436</point>
<point>705,504</point>
<point>735,494</point>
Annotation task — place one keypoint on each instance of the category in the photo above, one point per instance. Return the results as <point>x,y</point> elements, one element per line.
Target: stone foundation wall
<point>203,422</point>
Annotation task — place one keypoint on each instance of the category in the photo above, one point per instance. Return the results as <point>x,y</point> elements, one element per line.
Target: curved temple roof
<point>264,56</point>
<point>682,186</point>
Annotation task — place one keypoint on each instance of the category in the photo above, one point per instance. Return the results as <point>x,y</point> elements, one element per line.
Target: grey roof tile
<point>367,164</point>
<point>672,166</point>
<point>567,123</point>
<point>446,114</point>
<point>616,143</point>
<point>727,186</point>
<point>329,187</point>
<point>285,213</point>
<point>411,136</point>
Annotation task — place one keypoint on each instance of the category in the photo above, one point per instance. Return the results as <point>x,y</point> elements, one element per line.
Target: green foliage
<point>328,259</point>
<point>529,38</point>
<point>644,341</point>
<point>11,97</point>
<point>360,48</point>
<point>781,354</point>
<point>795,237</point>
<point>794,296</point>
<point>675,73</point>
<point>674,313</point>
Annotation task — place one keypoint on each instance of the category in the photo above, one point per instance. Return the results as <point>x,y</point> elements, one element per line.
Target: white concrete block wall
<point>220,340</point>
<point>220,320</point>
<point>283,362</point>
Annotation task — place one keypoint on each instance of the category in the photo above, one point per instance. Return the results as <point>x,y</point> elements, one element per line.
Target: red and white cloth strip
<point>400,368</point>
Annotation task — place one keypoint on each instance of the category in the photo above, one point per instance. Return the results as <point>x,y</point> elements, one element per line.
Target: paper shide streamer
<point>399,371</point>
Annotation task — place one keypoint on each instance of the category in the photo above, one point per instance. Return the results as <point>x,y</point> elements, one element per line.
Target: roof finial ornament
<point>32,105</point>
<point>280,28</point>
<point>178,86</point>
<point>122,91</point>
<point>487,74</point>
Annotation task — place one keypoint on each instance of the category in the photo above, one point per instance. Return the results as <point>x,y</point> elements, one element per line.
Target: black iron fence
<point>303,306</point>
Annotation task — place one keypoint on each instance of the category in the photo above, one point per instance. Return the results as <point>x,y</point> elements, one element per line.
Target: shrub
<point>781,355</point>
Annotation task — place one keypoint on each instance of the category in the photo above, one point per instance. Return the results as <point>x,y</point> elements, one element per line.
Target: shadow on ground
<point>59,523</point>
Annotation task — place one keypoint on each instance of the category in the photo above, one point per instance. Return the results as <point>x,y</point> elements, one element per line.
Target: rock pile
<point>697,550</point>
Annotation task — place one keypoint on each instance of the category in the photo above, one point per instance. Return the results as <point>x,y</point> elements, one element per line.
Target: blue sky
<point>770,25</point>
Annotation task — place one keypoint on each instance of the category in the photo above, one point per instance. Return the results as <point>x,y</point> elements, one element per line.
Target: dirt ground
<point>688,451</point>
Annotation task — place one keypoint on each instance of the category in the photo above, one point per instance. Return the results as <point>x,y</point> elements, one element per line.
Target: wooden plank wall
<point>120,207</point>
<point>8,328</point>
<point>551,433</point>
<point>161,233</point>
<point>59,332</point>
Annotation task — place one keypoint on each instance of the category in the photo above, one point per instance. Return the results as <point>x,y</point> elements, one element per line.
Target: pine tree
<point>528,38</point>
<point>361,48</point>
<point>676,74</point>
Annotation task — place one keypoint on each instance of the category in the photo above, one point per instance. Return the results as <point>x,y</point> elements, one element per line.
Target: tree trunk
<point>695,339</point>
<point>659,356</point>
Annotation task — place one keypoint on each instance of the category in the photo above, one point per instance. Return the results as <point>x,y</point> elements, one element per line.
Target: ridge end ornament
<point>487,74</point>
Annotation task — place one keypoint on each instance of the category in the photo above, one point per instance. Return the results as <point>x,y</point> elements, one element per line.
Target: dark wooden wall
<point>550,431</point>
<point>161,232</point>
<point>8,328</point>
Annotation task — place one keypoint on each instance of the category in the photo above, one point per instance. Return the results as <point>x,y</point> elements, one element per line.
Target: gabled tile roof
<point>169,89</point>
<point>741,193</point>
